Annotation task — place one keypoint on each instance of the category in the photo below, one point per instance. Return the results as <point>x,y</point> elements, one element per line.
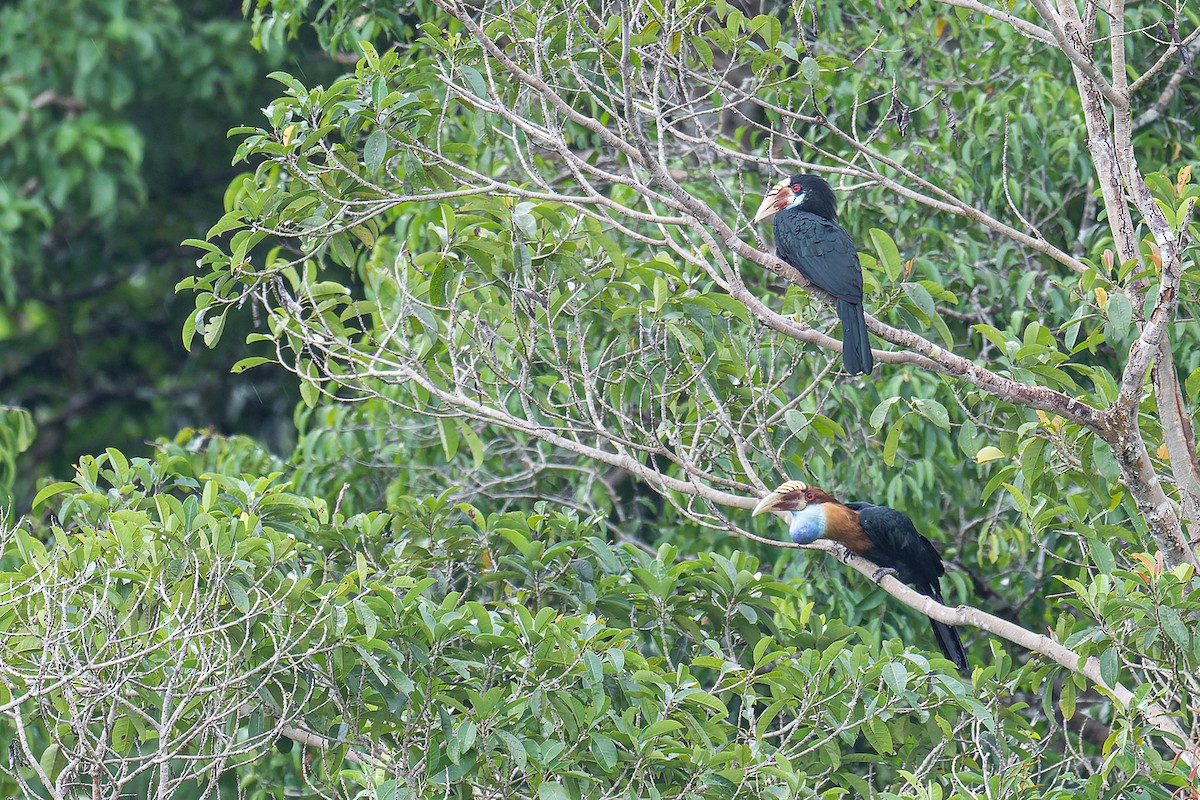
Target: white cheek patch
<point>797,199</point>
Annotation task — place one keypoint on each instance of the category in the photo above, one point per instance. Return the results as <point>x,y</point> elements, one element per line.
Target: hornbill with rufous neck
<point>808,237</point>
<point>882,535</point>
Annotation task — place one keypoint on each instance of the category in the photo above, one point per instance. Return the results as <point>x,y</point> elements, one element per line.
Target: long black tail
<point>856,347</point>
<point>951,645</point>
<point>947,637</point>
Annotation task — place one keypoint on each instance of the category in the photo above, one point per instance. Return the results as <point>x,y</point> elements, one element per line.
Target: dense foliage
<point>446,652</point>
<point>546,364</point>
<point>112,150</point>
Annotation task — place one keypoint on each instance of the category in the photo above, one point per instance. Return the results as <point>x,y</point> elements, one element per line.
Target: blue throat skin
<point>808,524</point>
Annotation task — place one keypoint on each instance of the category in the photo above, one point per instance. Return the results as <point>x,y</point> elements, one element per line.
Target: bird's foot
<point>882,573</point>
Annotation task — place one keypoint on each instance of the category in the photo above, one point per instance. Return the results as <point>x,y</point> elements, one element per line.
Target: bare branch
<point>1021,26</point>
<point>1070,42</point>
<point>1190,46</point>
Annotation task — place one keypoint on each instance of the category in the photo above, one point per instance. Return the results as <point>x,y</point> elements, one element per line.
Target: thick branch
<point>1112,155</point>
<point>1179,437</point>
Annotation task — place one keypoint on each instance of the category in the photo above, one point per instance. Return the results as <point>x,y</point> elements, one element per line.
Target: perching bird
<point>882,535</point>
<point>808,237</point>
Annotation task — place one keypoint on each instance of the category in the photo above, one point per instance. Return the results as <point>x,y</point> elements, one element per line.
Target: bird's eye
<point>809,496</point>
<point>796,188</point>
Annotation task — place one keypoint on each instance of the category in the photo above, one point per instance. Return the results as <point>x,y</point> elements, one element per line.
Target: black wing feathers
<point>822,251</point>
<point>825,255</point>
<point>898,545</point>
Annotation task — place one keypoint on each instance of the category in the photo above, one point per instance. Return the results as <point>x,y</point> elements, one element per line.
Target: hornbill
<point>808,237</point>
<point>879,534</point>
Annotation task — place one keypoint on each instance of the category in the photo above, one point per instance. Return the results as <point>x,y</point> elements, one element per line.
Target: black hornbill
<point>808,237</point>
<point>882,535</point>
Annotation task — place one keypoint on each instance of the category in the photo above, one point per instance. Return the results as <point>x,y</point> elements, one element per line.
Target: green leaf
<point>524,220</point>
<point>827,427</point>
<point>475,81</point>
<point>1192,384</point>
<point>366,617</point>
<point>449,436</point>
<point>521,259</point>
<point>993,335</point>
<point>1119,311</point>
<point>473,442</point>
<point>52,761</point>
<point>887,252</point>
<point>987,454</point>
<point>795,420</point>
<point>892,442</point>
<point>1173,626</point>
<point>1066,699</point>
<point>439,281</point>
<point>237,594</point>
<point>375,150</point>
<point>201,244</point>
<point>310,393</point>
<point>343,251</point>
<point>50,491</point>
<point>811,71</point>
<point>213,328</point>
<point>933,411</point>
<point>969,437</point>
<point>661,727</point>
<point>878,735</point>
<point>710,702</point>
<point>880,413</point>
<point>122,733</point>
<point>997,481</point>
<point>895,675</point>
<point>249,363</point>
<point>189,328</point>
<point>119,463</point>
<point>1108,666</point>
<point>553,791</point>
<point>516,750</point>
<point>604,751</point>
<point>230,221</point>
<point>922,299</point>
<point>768,27</point>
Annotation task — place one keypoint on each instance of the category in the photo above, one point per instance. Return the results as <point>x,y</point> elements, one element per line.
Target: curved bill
<point>788,497</point>
<point>775,200</point>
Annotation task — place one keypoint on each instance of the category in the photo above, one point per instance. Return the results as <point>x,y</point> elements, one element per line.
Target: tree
<point>522,233</point>
<point>578,283</point>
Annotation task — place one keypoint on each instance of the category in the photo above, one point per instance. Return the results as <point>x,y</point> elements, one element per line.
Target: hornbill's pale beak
<point>777,199</point>
<point>788,497</point>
